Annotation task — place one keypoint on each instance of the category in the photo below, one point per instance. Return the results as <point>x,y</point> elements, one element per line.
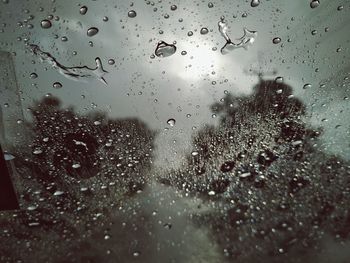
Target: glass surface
<point>176,131</point>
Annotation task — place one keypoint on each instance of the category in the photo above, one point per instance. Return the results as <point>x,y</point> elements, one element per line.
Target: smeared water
<point>164,49</point>
<point>245,41</point>
<point>79,73</point>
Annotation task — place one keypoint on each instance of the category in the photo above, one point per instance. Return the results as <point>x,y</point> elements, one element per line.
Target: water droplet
<point>83,10</point>
<point>173,7</point>
<point>340,8</point>
<point>204,31</point>
<point>57,85</point>
<point>111,61</point>
<point>307,86</point>
<point>131,14</point>
<point>32,207</point>
<point>183,52</point>
<point>45,23</point>
<point>76,166</point>
<point>37,151</point>
<point>92,31</point>
<point>254,3</point>
<point>97,123</point>
<point>279,80</point>
<point>33,75</point>
<point>167,226</point>
<point>8,156</point>
<point>211,193</point>
<point>194,153</point>
<point>58,193</point>
<point>164,50</point>
<point>107,237</point>
<point>276,40</point>
<point>171,122</point>
<point>190,33</point>
<point>136,254</point>
<point>210,5</point>
<point>314,3</point>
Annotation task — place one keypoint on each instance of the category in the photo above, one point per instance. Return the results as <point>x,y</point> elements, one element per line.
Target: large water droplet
<point>83,10</point>
<point>254,3</point>
<point>164,49</point>
<point>132,14</point>
<point>171,122</point>
<point>45,23</point>
<point>92,31</point>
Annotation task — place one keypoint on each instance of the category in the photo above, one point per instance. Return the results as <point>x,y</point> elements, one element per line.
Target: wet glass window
<point>174,131</point>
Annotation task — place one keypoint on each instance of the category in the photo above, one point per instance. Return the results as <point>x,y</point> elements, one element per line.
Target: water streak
<point>78,73</point>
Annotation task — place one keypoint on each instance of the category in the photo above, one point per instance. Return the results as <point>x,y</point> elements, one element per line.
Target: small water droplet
<point>167,226</point>
<point>204,31</point>
<point>307,86</point>
<point>57,85</point>
<point>136,254</point>
<point>171,122</point>
<point>92,31</point>
<point>194,153</point>
<point>190,33</point>
<point>131,14</point>
<point>276,40</point>
<point>58,193</point>
<point>33,75</point>
<point>37,151</point>
<point>76,166</point>
<point>254,3</point>
<point>314,3</point>
<point>210,5</point>
<point>111,61</point>
<point>45,24</point>
<point>83,10</point>
<point>279,80</point>
<point>173,7</point>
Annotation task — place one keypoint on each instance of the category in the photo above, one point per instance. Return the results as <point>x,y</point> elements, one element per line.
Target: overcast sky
<point>157,89</point>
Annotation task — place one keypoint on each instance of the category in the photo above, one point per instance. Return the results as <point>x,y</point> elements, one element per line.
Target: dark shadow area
<point>275,196</point>
<point>8,198</point>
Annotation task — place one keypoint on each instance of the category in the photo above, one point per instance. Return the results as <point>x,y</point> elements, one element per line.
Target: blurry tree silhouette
<point>77,172</point>
<point>272,189</point>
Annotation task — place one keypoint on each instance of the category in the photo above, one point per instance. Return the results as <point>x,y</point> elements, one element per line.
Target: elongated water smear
<point>245,41</point>
<point>79,73</point>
